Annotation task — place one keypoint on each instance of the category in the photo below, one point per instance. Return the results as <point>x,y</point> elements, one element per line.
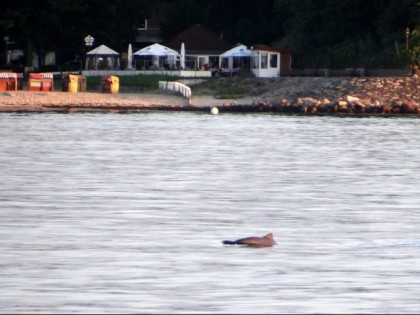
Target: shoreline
<point>361,95</point>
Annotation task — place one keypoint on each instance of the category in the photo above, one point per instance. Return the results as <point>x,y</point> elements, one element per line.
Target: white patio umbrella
<point>182,57</point>
<point>101,53</point>
<point>156,50</point>
<point>238,51</point>
<point>130,57</point>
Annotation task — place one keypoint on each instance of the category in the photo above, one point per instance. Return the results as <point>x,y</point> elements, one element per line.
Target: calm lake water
<point>125,213</point>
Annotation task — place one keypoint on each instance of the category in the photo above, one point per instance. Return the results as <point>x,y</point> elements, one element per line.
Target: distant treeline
<point>320,34</point>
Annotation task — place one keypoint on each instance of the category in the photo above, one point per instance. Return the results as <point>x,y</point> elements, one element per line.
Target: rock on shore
<point>361,95</point>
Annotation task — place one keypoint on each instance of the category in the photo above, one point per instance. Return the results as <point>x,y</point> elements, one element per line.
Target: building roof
<point>238,51</point>
<point>156,49</point>
<point>199,40</point>
<point>102,50</point>
<point>269,48</point>
<point>150,32</point>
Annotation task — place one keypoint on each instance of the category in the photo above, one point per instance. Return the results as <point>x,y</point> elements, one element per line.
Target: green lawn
<point>235,87</point>
<point>141,82</point>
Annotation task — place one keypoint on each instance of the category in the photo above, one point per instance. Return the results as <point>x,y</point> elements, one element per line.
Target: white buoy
<point>214,111</point>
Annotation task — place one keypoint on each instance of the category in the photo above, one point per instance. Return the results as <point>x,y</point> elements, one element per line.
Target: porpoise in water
<point>254,241</point>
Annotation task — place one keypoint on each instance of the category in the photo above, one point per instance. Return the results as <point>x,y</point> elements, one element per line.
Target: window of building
<point>264,60</point>
<point>273,60</point>
<point>255,60</point>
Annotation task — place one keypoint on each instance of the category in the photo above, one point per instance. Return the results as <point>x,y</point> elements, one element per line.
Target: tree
<point>329,33</point>
<point>61,25</point>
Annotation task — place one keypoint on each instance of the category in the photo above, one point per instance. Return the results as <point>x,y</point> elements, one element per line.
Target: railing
<point>176,87</point>
<point>183,73</point>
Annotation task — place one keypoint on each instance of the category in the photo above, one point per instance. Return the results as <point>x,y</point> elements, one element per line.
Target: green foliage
<point>329,33</point>
<point>62,25</point>
<point>225,88</point>
<point>348,33</point>
<point>414,44</point>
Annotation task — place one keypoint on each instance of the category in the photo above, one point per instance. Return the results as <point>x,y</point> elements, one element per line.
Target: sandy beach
<point>13,101</point>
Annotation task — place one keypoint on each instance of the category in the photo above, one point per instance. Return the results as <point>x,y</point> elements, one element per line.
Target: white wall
<point>262,64</point>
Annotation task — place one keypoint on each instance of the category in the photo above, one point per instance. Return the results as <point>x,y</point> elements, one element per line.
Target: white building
<point>269,62</point>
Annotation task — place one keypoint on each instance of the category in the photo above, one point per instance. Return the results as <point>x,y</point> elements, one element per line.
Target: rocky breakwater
<point>361,95</point>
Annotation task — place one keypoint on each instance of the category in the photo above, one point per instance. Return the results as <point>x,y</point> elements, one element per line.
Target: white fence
<point>183,73</point>
<point>176,87</point>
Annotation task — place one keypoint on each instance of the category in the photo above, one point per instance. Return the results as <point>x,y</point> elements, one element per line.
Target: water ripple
<point>126,213</point>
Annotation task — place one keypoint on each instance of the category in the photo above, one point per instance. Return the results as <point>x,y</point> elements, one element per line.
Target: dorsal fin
<point>269,236</point>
